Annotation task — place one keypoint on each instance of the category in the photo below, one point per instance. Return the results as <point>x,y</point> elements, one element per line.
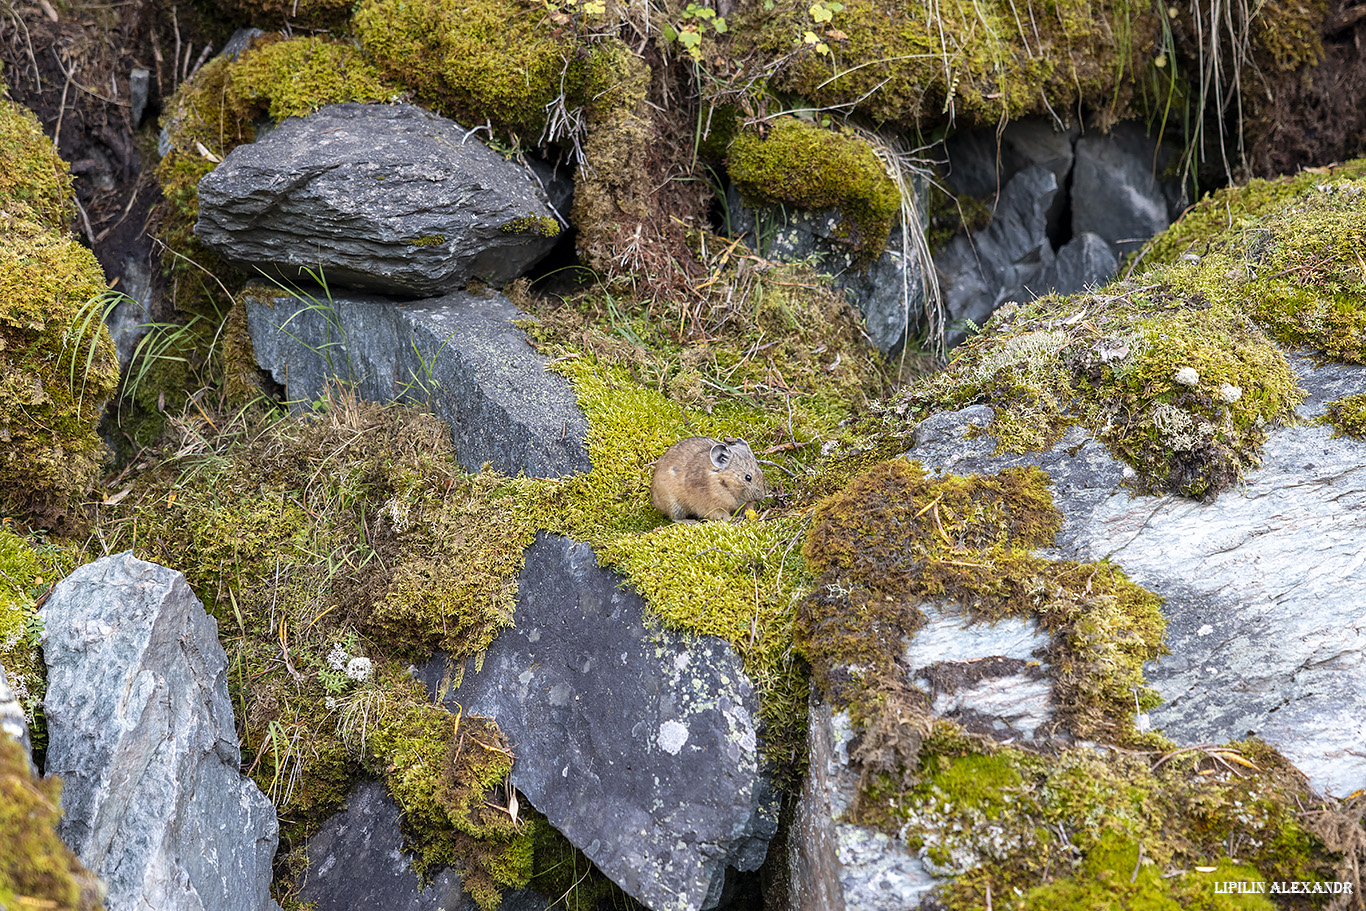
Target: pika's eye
<point>748,478</point>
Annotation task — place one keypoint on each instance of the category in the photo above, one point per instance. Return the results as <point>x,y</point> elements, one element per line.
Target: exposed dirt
<point>1318,116</point>
<point>71,63</point>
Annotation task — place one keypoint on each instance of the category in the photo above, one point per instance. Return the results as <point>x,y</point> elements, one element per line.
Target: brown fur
<point>702,478</point>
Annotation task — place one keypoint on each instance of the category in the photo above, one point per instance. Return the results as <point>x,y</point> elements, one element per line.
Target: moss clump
<point>36,869</point>
<point>920,67</point>
<point>1094,828</point>
<point>895,538</point>
<point>57,369</point>
<point>446,771</point>
<point>487,60</point>
<point>798,163</point>
<point>1347,416</point>
<point>1176,370</point>
<point>34,181</point>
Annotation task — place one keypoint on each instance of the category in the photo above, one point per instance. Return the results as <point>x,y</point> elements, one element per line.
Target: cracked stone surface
<point>638,744</point>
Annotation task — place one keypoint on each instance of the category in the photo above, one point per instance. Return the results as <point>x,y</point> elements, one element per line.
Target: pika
<point>706,479</point>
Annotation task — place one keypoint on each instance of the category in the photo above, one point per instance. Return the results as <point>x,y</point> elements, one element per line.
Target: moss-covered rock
<point>797,163</point>
<point>57,369</point>
<point>35,183</point>
<point>36,869</point>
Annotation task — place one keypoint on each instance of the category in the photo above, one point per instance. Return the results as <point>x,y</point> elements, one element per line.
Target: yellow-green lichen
<point>541,225</point>
<point>798,163</point>
<point>36,869</point>
<point>57,369</point>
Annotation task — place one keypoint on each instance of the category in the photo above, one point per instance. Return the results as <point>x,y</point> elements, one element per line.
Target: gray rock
<point>637,744</point>
<point>141,731</point>
<point>981,161</point>
<point>139,89</point>
<point>890,292</point>
<point>13,721</point>
<point>1006,258</point>
<point>356,860</point>
<point>459,355</point>
<point>1116,190</point>
<point>384,198</point>
<point>1263,588</point>
<point>834,865</point>
<point>1085,261</point>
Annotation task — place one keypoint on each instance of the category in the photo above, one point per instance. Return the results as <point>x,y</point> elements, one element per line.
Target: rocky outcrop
<point>1104,200</point>
<point>141,731</point>
<point>889,292</point>
<point>356,860</point>
<point>637,744</point>
<point>389,199</point>
<point>460,355</point>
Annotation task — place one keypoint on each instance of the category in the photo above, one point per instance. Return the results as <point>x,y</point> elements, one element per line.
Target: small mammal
<point>704,478</point>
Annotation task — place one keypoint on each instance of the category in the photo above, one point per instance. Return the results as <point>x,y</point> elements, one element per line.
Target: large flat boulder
<point>638,744</point>
<point>459,355</point>
<point>141,731</point>
<point>384,198</point>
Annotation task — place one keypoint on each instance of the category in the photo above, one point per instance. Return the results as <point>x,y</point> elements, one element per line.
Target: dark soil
<point>70,63</point>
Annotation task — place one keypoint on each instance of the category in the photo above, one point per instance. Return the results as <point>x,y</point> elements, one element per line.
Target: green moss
<point>441,769</point>
<point>36,869</point>
<point>798,163</point>
<point>1347,416</point>
<point>34,181</point>
<point>430,240</point>
<point>921,67</point>
<point>1091,828</point>
<point>541,225</point>
<point>894,538</point>
<point>1177,370</point>
<point>57,369</point>
<point>500,61</point>
<point>295,77</point>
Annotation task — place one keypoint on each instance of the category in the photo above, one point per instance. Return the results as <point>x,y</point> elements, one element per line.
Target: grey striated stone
<point>982,161</point>
<point>459,355</point>
<point>1264,588</point>
<point>356,860</point>
<point>889,293</point>
<point>1116,190</point>
<point>384,198</point>
<point>836,866</point>
<point>639,745</point>
<point>1085,261</point>
<point>1006,258</point>
<point>141,731</point>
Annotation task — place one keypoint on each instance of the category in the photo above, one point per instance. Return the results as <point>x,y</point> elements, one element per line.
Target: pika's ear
<point>720,456</point>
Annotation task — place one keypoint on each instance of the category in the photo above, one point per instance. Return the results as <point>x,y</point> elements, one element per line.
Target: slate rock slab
<point>141,731</point>
<point>356,860</point>
<point>1264,588</point>
<point>639,745</point>
<point>384,198</point>
<point>459,355</point>
<point>1007,257</point>
<point>1117,191</point>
